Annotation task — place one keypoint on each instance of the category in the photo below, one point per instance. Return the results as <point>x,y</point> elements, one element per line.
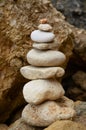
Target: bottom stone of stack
<point>48,112</point>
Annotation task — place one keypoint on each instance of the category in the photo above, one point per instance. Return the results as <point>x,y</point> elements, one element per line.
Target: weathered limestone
<point>32,72</point>
<point>44,93</point>
<point>45,58</point>
<point>46,113</point>
<point>38,91</point>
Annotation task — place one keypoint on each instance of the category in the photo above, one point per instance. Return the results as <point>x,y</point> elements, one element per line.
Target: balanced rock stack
<point>45,94</point>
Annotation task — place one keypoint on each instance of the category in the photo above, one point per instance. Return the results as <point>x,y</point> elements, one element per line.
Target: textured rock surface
<point>46,113</point>
<point>65,125</point>
<point>37,91</point>
<point>21,125</point>
<point>3,127</point>
<point>80,108</point>
<point>31,72</point>
<point>45,58</point>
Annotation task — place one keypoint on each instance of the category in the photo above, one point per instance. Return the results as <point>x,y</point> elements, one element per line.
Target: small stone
<point>46,46</point>
<point>31,72</point>
<point>46,113</point>
<point>45,27</point>
<point>66,125</point>
<point>40,36</point>
<point>43,21</point>
<point>38,91</point>
<point>45,58</point>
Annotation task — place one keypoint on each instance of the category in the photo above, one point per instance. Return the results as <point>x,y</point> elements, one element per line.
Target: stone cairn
<point>45,94</point>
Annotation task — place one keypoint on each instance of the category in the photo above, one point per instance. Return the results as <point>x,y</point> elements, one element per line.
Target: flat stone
<point>44,27</point>
<point>38,91</point>
<point>45,58</point>
<point>46,113</point>
<point>40,36</point>
<point>46,46</point>
<point>32,72</point>
<point>66,125</point>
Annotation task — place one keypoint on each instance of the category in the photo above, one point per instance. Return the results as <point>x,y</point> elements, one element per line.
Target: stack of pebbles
<point>44,93</point>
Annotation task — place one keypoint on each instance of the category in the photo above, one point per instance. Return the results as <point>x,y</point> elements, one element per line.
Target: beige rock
<point>38,91</point>
<point>31,72</point>
<point>45,58</point>
<point>21,125</point>
<point>66,125</point>
<point>46,113</point>
<point>45,46</point>
<point>45,27</point>
<point>3,127</point>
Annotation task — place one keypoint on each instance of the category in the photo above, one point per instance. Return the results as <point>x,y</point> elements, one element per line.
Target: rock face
<point>46,113</point>
<point>66,125</point>
<point>31,72</point>
<point>38,91</point>
<point>45,58</point>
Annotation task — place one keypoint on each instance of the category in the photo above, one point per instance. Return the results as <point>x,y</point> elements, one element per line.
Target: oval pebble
<point>40,36</point>
<point>45,58</point>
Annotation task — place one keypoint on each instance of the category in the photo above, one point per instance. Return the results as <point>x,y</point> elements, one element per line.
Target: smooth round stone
<point>46,46</point>
<point>45,58</point>
<point>38,91</point>
<point>46,113</point>
<point>40,36</point>
<point>31,72</point>
<point>44,27</point>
